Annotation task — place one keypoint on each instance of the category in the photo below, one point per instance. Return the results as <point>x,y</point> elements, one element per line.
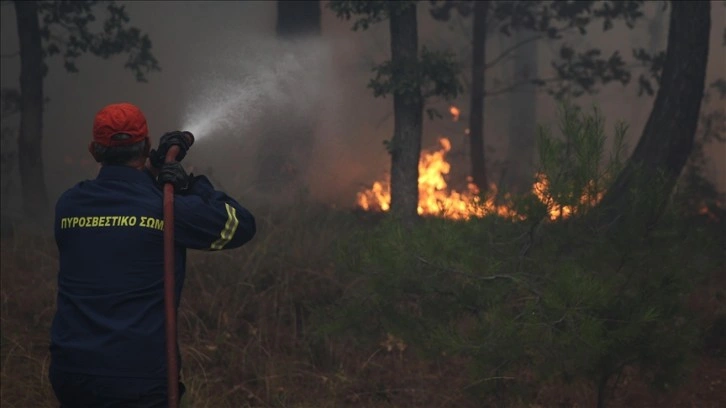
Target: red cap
<point>119,118</point>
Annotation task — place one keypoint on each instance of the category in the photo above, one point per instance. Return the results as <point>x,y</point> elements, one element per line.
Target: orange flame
<point>705,210</point>
<point>455,113</point>
<point>541,186</point>
<point>437,199</point>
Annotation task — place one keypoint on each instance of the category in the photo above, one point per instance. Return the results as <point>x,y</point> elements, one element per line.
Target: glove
<point>175,174</point>
<point>169,139</point>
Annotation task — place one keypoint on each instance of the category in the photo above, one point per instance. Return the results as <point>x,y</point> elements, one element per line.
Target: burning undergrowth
<point>437,199</point>
<point>575,170</point>
<point>435,196</point>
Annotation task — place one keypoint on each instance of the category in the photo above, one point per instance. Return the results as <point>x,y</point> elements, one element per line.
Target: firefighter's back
<point>110,315</point>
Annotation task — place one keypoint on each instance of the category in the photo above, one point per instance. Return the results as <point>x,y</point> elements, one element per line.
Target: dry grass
<point>245,321</point>
<point>27,289</point>
<point>243,326</point>
<point>245,332</point>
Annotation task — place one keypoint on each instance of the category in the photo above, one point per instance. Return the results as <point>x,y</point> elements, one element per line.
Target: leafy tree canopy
<point>366,13</point>
<point>431,74</point>
<point>70,29</point>
<point>576,71</point>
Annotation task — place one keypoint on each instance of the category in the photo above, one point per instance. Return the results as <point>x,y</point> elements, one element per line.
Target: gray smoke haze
<point>227,78</point>
<point>271,76</point>
<point>266,81</point>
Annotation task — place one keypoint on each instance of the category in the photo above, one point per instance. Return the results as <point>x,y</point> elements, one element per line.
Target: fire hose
<point>170,283</point>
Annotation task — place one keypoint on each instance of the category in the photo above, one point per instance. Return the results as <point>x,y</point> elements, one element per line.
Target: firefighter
<point>107,338</point>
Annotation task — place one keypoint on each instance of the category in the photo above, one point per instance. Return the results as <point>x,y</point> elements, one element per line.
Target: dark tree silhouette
<point>408,116</point>
<point>47,28</point>
<point>411,76</point>
<point>298,18</point>
<point>577,71</point>
<point>476,119</point>
<point>669,133</point>
<point>32,71</point>
<point>282,162</point>
<point>520,163</point>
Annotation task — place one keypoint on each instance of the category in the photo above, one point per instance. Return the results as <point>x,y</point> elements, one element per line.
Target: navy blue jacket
<point>109,231</point>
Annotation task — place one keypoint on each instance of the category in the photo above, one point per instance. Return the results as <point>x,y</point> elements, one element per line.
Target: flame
<point>705,210</point>
<point>437,199</point>
<point>541,187</point>
<point>455,113</point>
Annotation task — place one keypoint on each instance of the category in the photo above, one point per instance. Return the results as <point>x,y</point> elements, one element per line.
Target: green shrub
<point>576,164</point>
<point>582,307</point>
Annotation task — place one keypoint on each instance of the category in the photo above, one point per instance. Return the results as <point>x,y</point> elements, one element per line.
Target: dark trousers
<point>87,391</point>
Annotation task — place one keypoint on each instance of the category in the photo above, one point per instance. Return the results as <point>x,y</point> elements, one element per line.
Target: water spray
<point>264,76</point>
<point>226,111</point>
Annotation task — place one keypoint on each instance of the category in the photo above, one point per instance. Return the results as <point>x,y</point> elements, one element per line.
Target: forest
<point>508,238</point>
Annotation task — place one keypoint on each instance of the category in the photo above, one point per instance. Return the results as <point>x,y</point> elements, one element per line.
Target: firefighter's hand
<point>175,174</point>
<point>176,138</point>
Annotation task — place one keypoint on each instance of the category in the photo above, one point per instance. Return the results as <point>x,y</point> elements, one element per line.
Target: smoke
<point>262,78</point>
<point>230,81</point>
<point>220,109</point>
<point>268,91</point>
<point>251,94</point>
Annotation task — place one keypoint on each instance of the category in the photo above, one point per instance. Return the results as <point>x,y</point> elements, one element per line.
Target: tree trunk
<point>655,29</point>
<point>476,118</point>
<point>408,118</point>
<point>668,135</point>
<point>298,18</point>
<point>281,161</point>
<point>522,119</point>
<point>602,387</point>
<point>656,39</point>
<point>30,152</point>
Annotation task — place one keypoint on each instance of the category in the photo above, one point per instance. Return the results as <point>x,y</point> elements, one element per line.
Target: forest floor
<point>278,375</point>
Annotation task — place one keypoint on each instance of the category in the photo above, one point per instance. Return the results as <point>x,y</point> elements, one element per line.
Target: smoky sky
<point>212,52</point>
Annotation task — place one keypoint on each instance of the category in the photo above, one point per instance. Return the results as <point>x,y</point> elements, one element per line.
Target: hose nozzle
<point>177,143</point>
<point>189,136</point>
